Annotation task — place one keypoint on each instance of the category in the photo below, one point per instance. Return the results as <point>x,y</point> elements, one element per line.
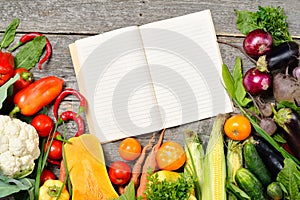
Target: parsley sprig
<point>168,190</point>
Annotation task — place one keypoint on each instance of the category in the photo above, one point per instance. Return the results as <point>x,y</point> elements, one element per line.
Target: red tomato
<point>55,152</point>
<point>170,156</point>
<point>43,124</point>
<point>119,173</point>
<point>25,79</point>
<point>46,175</point>
<point>130,149</point>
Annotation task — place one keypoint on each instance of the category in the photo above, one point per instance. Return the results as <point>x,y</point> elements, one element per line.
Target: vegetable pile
<point>30,143</point>
<point>252,153</point>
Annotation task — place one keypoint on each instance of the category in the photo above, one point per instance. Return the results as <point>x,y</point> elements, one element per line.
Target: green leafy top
<point>234,84</point>
<point>289,179</point>
<point>168,190</point>
<point>269,18</point>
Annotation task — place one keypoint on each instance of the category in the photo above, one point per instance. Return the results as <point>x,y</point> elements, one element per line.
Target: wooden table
<point>64,21</point>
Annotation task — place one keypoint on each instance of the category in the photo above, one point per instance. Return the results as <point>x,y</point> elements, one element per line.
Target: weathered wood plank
<point>92,17</point>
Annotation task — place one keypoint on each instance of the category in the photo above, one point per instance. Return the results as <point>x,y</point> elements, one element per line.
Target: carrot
<point>62,171</point>
<point>150,163</point>
<point>137,167</point>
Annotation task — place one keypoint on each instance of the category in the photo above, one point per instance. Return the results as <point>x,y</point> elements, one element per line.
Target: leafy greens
<point>269,18</point>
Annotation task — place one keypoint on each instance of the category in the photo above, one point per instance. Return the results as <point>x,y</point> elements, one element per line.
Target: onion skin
<point>257,43</point>
<point>256,82</point>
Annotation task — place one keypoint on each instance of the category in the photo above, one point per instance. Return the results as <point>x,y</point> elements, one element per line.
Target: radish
<point>256,82</point>
<point>257,43</point>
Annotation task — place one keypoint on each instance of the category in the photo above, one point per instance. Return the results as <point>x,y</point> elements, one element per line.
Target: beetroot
<point>286,87</point>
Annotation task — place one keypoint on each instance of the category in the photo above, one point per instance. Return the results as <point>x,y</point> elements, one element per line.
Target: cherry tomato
<point>46,175</point>
<point>26,78</point>
<point>55,152</point>
<point>130,149</point>
<point>43,124</point>
<point>170,156</point>
<point>119,173</point>
<point>237,127</point>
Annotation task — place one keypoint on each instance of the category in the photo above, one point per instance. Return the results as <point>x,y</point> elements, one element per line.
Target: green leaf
<point>4,88</point>
<point>278,138</point>
<point>9,34</point>
<point>10,186</point>
<point>287,104</point>
<point>240,92</point>
<point>129,193</point>
<point>245,22</point>
<point>289,179</point>
<point>228,81</point>
<point>30,54</point>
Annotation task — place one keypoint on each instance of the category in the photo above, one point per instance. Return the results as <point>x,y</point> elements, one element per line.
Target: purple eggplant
<point>279,57</point>
<point>289,120</point>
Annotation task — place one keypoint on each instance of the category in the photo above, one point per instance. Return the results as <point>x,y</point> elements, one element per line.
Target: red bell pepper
<point>26,78</point>
<point>37,95</point>
<point>7,64</point>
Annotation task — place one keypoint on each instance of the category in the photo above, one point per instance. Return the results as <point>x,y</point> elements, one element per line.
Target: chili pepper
<point>30,36</point>
<point>63,94</point>
<point>50,190</point>
<point>37,95</point>
<point>26,78</point>
<point>70,115</point>
<point>7,64</point>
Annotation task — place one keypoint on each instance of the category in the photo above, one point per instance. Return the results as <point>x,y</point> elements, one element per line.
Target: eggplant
<point>272,158</point>
<point>279,57</point>
<point>289,120</point>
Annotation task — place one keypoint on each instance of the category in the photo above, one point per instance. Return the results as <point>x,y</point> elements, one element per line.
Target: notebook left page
<point>112,74</point>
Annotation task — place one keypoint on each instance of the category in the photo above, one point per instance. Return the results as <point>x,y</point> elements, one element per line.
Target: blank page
<point>185,65</point>
<point>114,77</point>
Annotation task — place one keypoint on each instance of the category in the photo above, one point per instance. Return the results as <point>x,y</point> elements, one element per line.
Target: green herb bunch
<point>269,18</point>
<point>167,190</point>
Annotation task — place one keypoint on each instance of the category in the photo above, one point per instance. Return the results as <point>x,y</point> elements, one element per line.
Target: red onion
<point>256,82</point>
<point>257,43</point>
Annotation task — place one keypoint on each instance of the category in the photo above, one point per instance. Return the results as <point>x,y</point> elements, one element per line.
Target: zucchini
<point>270,156</point>
<point>274,191</point>
<point>255,164</point>
<point>248,182</point>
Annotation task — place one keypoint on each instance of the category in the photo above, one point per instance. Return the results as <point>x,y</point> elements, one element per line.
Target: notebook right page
<point>185,66</point>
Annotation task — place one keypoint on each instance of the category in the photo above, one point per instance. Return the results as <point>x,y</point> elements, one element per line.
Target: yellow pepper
<point>50,191</point>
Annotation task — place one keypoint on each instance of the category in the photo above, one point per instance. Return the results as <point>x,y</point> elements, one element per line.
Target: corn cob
<point>194,160</point>
<point>234,159</point>
<point>214,163</point>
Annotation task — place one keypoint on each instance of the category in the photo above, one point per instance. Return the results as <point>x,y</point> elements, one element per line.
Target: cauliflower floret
<point>19,147</point>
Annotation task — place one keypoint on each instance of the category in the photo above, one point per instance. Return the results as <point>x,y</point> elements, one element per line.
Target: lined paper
<point>142,79</point>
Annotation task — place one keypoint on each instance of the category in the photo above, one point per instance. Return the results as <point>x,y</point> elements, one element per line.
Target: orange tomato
<point>237,127</point>
<point>130,149</point>
<point>170,156</point>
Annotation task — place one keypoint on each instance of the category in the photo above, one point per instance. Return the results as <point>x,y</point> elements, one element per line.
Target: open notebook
<point>141,79</point>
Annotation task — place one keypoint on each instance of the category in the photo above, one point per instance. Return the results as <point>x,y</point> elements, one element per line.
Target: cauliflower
<point>19,147</point>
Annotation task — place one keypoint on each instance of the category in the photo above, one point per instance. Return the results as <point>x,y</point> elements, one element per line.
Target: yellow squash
<point>87,169</point>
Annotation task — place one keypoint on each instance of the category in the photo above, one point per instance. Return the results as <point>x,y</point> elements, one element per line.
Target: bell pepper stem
<point>14,111</point>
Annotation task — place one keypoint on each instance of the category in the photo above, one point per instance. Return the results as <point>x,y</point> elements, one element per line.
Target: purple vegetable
<point>257,43</point>
<point>256,82</point>
<point>296,72</point>
<point>278,58</point>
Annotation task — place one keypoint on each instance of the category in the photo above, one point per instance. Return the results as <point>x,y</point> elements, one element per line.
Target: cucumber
<point>248,182</point>
<point>255,164</point>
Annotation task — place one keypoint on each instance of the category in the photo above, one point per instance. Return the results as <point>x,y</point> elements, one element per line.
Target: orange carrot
<point>150,163</point>
<point>62,171</point>
<point>136,169</point>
